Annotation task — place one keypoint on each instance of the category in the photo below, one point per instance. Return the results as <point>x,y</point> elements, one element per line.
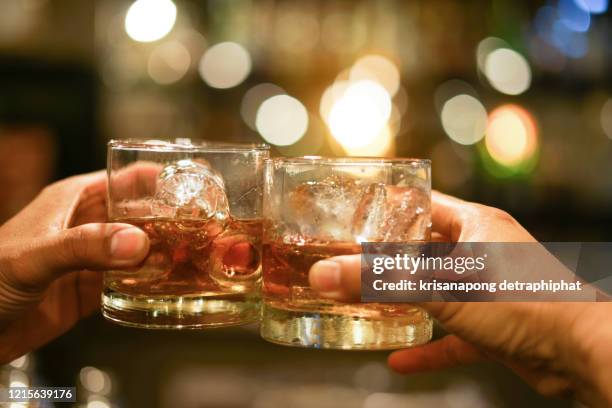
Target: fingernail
<point>325,276</point>
<point>128,243</point>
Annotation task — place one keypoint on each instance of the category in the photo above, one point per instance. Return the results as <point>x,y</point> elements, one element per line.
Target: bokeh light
<point>379,69</point>
<point>372,377</point>
<point>544,20</point>
<point>593,6</point>
<point>551,27</point>
<point>374,91</point>
<point>511,137</point>
<point>507,71</point>
<point>21,362</point>
<point>97,401</point>
<point>309,144</point>
<point>364,106</point>
<point>95,380</point>
<point>401,100</point>
<point>225,65</point>
<point>395,120</point>
<point>282,120</point>
<point>331,95</point>
<point>450,89</point>
<point>18,378</point>
<point>485,47</point>
<point>169,62</point>
<point>359,115</point>
<point>252,100</point>
<point>575,17</point>
<point>464,119</point>
<point>379,145</point>
<point>150,20</point>
<point>606,118</point>
<point>573,44</point>
<point>194,42</point>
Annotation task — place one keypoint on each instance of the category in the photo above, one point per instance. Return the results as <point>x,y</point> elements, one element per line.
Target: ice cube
<point>323,209</point>
<point>392,214</point>
<point>190,189</point>
<point>235,259</point>
<point>370,213</point>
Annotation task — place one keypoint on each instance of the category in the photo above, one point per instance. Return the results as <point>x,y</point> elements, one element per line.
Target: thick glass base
<point>180,312</point>
<point>337,331</point>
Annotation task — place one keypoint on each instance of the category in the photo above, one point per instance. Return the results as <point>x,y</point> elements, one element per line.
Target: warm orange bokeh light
<point>511,136</point>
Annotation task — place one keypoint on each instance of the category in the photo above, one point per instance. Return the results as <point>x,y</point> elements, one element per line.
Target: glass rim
<point>357,160</point>
<point>193,146</point>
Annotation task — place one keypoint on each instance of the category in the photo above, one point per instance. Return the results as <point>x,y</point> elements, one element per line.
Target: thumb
<point>337,278</point>
<point>88,246</point>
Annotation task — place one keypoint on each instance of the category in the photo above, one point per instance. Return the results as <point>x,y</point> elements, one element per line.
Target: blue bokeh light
<point>593,6</point>
<point>558,26</point>
<point>575,17</point>
<point>544,20</point>
<point>571,43</point>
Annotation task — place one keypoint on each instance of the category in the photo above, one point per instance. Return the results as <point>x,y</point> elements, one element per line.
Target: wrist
<point>587,354</point>
<point>11,341</point>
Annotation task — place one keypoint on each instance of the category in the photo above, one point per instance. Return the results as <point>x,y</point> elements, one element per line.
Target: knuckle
<point>76,246</point>
<point>15,270</point>
<point>502,215</point>
<point>494,214</point>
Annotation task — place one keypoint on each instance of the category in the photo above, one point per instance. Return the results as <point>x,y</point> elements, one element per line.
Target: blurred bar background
<point>512,101</point>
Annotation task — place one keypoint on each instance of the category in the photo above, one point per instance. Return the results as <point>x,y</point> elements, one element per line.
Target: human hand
<point>557,348</point>
<point>50,257</point>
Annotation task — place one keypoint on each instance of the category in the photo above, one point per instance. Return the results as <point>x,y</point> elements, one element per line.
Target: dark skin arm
<point>51,255</point>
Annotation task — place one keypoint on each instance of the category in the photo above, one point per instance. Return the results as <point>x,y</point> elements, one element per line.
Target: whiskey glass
<point>316,208</point>
<point>201,206</point>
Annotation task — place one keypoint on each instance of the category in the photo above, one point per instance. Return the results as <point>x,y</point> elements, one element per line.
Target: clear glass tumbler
<point>316,208</point>
<point>201,206</point>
